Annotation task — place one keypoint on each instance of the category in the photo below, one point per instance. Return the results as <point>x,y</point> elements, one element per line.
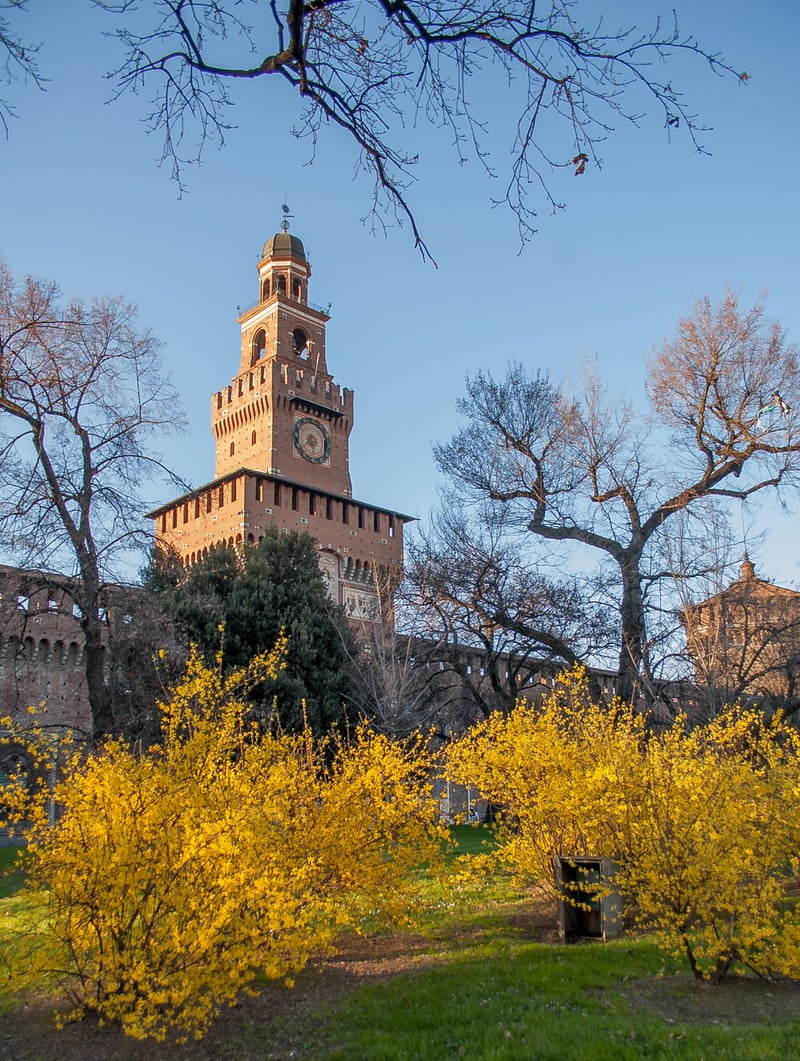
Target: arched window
<point>233,448</point>
<point>265,290</point>
<point>281,285</point>
<point>253,438</point>
<point>299,342</point>
<point>297,288</point>
<point>258,346</point>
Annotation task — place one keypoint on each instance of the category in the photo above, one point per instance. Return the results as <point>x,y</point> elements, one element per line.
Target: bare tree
<point>374,68</point>
<point>391,682</point>
<point>503,618</point>
<point>589,472</point>
<point>81,389</point>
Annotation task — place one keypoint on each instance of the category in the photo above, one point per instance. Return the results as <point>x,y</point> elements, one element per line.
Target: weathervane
<point>286,218</point>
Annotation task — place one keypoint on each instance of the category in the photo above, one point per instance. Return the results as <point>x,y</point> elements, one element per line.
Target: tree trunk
<point>99,699</point>
<point>632,629</point>
<point>88,599</point>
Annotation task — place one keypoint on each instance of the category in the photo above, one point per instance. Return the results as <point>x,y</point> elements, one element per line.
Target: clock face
<point>312,440</point>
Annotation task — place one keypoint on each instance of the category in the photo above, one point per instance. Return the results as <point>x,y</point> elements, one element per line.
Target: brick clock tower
<point>282,430</point>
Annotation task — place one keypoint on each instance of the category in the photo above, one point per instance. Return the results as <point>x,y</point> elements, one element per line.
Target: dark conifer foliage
<point>239,603</point>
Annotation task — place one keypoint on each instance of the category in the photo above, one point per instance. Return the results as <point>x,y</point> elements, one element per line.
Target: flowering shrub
<point>175,875</point>
<point>704,824</point>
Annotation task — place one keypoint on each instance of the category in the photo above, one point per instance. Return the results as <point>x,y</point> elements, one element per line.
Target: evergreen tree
<point>272,586</point>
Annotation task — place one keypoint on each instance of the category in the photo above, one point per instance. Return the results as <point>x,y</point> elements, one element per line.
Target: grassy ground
<point>480,977</point>
<point>11,877</point>
<point>513,999</point>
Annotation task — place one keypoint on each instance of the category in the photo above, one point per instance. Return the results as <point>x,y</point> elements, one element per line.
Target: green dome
<point>283,243</point>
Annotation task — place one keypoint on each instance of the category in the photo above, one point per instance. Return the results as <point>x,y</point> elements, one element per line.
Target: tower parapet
<point>282,434</point>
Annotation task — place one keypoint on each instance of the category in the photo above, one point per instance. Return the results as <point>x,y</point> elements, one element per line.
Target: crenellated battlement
<point>282,434</point>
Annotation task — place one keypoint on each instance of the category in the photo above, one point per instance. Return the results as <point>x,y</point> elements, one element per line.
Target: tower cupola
<point>283,413</point>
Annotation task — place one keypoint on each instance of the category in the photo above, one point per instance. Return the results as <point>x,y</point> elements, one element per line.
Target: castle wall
<point>41,652</point>
<point>360,543</point>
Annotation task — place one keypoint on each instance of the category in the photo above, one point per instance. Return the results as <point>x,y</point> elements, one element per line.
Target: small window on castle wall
<point>174,517</point>
<point>276,500</point>
<point>281,285</point>
<point>295,498</point>
<point>259,490</point>
<point>233,448</point>
<point>208,501</point>
<point>376,522</point>
<point>233,489</point>
<point>345,512</point>
<point>163,522</point>
<point>221,496</point>
<point>312,504</point>
<point>197,508</point>
<point>328,509</point>
<point>186,512</point>
<point>253,438</point>
<point>361,519</point>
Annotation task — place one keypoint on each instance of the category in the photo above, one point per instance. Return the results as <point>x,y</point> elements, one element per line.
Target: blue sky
<point>84,202</point>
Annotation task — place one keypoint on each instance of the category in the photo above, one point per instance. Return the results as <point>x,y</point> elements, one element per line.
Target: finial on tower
<point>748,568</point>
<point>286,218</point>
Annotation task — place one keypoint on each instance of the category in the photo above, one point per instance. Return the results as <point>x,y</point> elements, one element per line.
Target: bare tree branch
<point>18,57</point>
<point>371,68</point>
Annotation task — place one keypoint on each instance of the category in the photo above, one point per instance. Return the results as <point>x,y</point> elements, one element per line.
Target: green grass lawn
<point>471,839</point>
<point>476,981</point>
<point>11,876</point>
<point>512,1000</point>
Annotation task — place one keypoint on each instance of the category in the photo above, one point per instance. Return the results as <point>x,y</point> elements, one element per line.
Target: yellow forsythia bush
<point>704,824</point>
<point>176,875</point>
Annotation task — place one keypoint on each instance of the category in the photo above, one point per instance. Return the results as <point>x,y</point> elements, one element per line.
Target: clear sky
<point>83,201</point>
